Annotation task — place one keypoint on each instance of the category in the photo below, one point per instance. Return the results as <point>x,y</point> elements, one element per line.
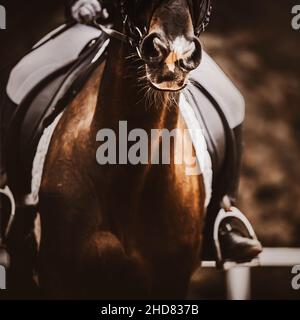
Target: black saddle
<point>36,112</point>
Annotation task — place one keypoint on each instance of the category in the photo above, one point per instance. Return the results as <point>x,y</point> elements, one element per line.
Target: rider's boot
<point>235,246</point>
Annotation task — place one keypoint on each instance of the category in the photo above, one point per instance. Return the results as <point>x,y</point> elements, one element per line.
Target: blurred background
<point>254,43</point>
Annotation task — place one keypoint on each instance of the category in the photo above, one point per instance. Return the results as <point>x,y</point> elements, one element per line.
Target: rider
<point>235,246</point>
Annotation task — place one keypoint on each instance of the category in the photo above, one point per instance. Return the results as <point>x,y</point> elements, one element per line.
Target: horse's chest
<point>168,219</point>
<point>163,206</point>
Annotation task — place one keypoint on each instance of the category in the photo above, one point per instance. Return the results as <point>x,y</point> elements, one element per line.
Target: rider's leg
<point>7,108</point>
<point>22,247</point>
<point>234,245</point>
<point>21,243</point>
<point>5,117</point>
<point>5,205</point>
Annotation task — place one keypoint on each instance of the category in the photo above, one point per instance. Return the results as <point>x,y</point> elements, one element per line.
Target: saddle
<point>39,92</point>
<point>38,99</point>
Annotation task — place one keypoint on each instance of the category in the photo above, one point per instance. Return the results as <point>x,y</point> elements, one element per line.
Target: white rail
<point>238,276</point>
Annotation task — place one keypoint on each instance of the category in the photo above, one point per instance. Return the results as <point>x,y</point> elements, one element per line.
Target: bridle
<point>202,18</point>
<point>134,34</point>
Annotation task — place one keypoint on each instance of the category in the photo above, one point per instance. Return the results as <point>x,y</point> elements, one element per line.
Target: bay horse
<point>124,231</point>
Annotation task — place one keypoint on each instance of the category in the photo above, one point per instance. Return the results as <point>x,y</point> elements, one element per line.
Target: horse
<point>124,231</point>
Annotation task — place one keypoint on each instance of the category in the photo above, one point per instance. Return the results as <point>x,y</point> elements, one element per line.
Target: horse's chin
<point>169,86</point>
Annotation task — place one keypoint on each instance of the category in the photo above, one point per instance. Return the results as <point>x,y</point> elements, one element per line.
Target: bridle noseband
<point>134,35</point>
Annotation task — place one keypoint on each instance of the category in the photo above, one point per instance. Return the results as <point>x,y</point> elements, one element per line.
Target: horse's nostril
<point>181,83</point>
<point>153,49</point>
<point>193,58</point>
<point>197,54</point>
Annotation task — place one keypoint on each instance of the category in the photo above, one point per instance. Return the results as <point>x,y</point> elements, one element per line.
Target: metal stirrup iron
<point>7,192</point>
<point>229,211</point>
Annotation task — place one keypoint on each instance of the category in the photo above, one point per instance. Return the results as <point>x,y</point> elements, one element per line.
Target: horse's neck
<point>121,97</point>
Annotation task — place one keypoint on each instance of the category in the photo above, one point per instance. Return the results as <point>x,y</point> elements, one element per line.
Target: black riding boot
<point>236,246</point>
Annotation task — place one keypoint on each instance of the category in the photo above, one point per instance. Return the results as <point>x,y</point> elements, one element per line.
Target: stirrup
<point>7,192</point>
<point>226,212</point>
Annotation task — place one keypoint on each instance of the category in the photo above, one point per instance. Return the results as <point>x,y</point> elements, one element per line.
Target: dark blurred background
<point>254,43</point>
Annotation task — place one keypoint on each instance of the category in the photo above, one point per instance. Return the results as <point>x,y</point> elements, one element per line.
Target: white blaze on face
<point>181,48</point>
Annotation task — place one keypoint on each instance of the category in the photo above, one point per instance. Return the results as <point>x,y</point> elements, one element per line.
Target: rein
<point>133,35</point>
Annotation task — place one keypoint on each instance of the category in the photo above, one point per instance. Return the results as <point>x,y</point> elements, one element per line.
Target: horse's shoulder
<point>75,124</point>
